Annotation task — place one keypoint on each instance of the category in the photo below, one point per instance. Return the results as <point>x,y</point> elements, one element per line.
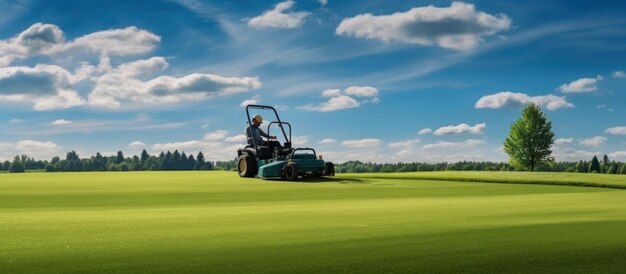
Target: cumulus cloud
<point>124,84</point>
<point>618,155</point>
<point>47,87</point>
<point>50,87</point>
<point>333,104</point>
<point>365,91</point>
<point>570,154</point>
<point>459,26</point>
<point>619,74</point>
<point>561,141</point>
<point>361,143</point>
<point>49,39</point>
<point>331,92</point>
<point>425,131</point>
<point>252,101</point>
<point>616,130</point>
<point>593,141</point>
<point>61,122</point>
<point>241,138</point>
<point>36,149</point>
<point>469,143</point>
<point>280,17</point>
<point>516,99</point>
<point>581,85</point>
<point>126,41</point>
<point>345,99</point>
<point>299,140</point>
<point>323,2</point>
<point>136,145</point>
<point>328,141</point>
<point>461,129</point>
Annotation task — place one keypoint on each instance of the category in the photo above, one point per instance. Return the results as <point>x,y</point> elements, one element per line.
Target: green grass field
<point>217,222</point>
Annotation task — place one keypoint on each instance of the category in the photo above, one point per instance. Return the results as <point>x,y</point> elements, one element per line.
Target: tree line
<point>164,161</point>
<point>182,161</point>
<point>593,166</point>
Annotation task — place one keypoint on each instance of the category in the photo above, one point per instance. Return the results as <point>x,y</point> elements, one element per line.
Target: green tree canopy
<point>594,166</point>
<point>17,166</point>
<point>530,139</point>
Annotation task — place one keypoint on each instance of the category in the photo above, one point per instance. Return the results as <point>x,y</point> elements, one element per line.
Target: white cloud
<point>36,149</point>
<point>126,41</point>
<point>619,74</point>
<point>469,143</point>
<point>363,91</point>
<point>459,26</point>
<point>425,131</point>
<point>241,138</point>
<point>323,2</point>
<point>61,122</point>
<point>570,154</point>
<point>50,87</point>
<point>123,84</point>
<point>48,40</point>
<point>137,145</point>
<point>561,141</point>
<point>216,135</point>
<point>47,87</point>
<point>605,106</point>
<point>361,143</point>
<point>581,85</point>
<point>299,140</point>
<point>252,101</point>
<point>280,17</point>
<point>618,155</point>
<point>404,144</point>
<point>508,99</point>
<point>328,141</point>
<point>593,141</point>
<point>212,150</point>
<point>333,104</point>
<point>331,92</point>
<point>461,129</point>
<point>616,130</point>
<point>345,99</point>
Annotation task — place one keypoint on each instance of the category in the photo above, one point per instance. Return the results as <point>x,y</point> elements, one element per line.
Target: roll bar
<point>248,107</point>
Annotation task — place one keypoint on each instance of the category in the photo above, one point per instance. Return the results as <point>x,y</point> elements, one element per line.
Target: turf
<point>216,222</point>
<point>546,178</point>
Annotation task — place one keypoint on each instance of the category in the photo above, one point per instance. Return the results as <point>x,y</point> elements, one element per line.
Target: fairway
<point>217,222</point>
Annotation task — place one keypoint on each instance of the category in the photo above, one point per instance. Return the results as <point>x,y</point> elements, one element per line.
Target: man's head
<point>257,120</point>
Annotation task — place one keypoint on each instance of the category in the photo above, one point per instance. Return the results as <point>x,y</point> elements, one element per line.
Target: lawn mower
<point>279,162</point>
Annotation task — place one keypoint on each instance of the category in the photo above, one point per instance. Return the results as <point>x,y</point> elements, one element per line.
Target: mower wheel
<point>291,172</point>
<point>329,169</point>
<point>246,165</point>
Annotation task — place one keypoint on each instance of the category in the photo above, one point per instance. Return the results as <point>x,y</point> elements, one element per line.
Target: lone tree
<point>529,141</point>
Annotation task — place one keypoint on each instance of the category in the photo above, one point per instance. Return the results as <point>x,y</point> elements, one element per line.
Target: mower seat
<point>265,152</point>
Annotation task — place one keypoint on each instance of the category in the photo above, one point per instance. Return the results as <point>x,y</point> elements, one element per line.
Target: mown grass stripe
<point>471,177</point>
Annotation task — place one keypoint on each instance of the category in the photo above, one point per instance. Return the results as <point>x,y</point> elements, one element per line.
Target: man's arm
<point>265,134</point>
<point>249,135</point>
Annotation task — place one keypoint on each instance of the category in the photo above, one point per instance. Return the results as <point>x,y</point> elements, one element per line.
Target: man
<point>256,133</point>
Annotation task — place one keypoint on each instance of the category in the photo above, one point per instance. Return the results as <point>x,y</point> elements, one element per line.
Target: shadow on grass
<point>325,180</point>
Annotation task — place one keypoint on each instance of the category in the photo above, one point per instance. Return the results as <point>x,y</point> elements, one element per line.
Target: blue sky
<point>382,81</point>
